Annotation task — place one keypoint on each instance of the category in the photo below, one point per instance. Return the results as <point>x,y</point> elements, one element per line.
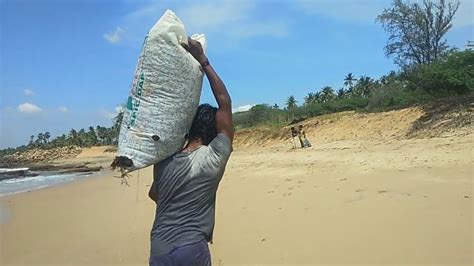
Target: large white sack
<point>164,97</point>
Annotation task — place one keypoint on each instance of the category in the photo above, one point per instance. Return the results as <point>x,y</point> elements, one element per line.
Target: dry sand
<point>378,199</point>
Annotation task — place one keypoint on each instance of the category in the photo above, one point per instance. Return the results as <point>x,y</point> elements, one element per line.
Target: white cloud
<point>28,92</point>
<point>106,114</point>
<point>63,109</point>
<point>29,108</point>
<point>115,36</point>
<point>231,20</point>
<point>242,108</point>
<point>119,109</point>
<point>211,16</point>
<point>110,114</point>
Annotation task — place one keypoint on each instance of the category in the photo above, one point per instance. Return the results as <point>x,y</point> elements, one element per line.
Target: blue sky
<point>69,64</point>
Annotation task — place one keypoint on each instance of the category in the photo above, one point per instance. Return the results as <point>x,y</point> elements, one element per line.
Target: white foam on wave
<point>18,185</point>
<point>12,170</point>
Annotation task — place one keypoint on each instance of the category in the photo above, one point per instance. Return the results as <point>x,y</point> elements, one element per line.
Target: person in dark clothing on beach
<point>185,184</point>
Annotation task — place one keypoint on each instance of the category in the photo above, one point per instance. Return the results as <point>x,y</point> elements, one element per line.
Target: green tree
<point>92,135</point>
<point>73,137</point>
<point>364,86</point>
<point>39,139</point>
<point>102,134</point>
<point>259,113</point>
<point>349,81</point>
<point>291,103</point>
<point>470,45</point>
<point>115,130</point>
<point>46,136</point>
<point>451,76</point>
<point>417,30</point>
<point>32,140</point>
<point>341,93</point>
<point>327,94</point>
<point>310,98</point>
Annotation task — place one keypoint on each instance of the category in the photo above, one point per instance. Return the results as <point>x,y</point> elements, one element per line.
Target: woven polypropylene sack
<point>164,97</point>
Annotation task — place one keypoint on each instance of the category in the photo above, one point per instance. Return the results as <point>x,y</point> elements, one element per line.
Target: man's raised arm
<point>224,122</point>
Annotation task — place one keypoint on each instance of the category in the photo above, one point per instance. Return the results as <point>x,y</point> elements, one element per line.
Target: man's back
<point>186,184</point>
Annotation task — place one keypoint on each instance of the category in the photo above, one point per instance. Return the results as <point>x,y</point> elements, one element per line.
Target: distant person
<point>185,184</point>
<point>294,137</point>
<point>302,137</point>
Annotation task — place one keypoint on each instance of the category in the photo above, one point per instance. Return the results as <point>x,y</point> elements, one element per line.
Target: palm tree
<point>92,136</point>
<point>363,86</point>
<point>340,93</point>
<point>327,94</point>
<point>310,98</point>
<point>102,134</point>
<point>72,138</point>
<point>32,140</point>
<point>118,119</point>
<point>40,139</point>
<point>82,137</point>
<point>349,81</point>
<point>291,102</point>
<point>46,136</point>
<point>318,97</point>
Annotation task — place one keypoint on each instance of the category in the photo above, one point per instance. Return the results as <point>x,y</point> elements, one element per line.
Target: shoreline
<point>78,177</point>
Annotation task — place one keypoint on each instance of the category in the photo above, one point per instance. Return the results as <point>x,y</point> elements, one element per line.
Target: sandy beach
<point>378,199</point>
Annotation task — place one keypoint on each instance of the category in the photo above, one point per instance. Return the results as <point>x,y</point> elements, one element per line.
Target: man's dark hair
<point>204,124</point>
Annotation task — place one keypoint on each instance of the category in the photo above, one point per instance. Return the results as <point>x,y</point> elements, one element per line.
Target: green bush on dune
<point>453,75</point>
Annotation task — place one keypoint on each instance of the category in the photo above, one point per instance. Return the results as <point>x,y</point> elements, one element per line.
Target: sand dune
<point>363,194</point>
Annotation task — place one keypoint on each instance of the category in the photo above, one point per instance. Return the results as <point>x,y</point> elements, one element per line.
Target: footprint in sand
<point>270,192</point>
<point>383,191</point>
<point>342,179</point>
<point>288,179</point>
<point>290,188</point>
<point>286,194</point>
<point>315,186</point>
<point>467,197</point>
<point>300,182</point>
<point>359,190</point>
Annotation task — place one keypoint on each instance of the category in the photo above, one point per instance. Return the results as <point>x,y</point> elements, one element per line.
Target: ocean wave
<point>23,184</point>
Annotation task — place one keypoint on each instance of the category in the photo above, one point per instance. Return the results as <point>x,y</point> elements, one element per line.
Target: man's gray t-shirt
<point>186,184</point>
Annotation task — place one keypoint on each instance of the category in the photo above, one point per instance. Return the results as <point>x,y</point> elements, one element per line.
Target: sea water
<point>24,184</point>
